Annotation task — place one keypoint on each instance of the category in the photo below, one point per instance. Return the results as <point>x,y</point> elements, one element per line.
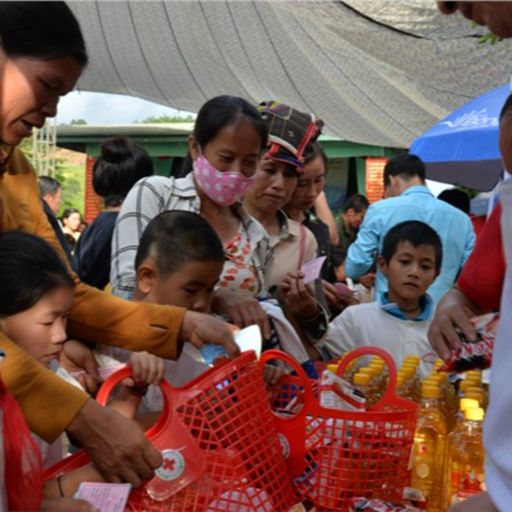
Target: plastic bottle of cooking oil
<point>361,382</point>
<point>460,425</point>
<point>476,394</point>
<point>380,379</point>
<point>466,462</point>
<point>408,373</point>
<point>428,449</point>
<point>452,403</point>
<point>415,384</point>
<point>373,386</point>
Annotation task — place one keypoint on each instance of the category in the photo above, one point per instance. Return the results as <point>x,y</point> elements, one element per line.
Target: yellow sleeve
<point>48,402</point>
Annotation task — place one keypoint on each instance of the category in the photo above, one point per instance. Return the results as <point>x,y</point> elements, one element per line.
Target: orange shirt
<point>49,403</point>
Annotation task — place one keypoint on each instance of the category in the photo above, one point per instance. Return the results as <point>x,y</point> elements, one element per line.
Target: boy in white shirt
<point>399,319</point>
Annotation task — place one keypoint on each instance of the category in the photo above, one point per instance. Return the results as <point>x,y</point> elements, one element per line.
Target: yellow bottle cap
<point>408,371</point>
<point>412,357</point>
<point>361,379</point>
<point>474,414</point>
<point>443,376</point>
<point>468,403</point>
<point>333,367</point>
<point>429,391</point>
<point>479,396</point>
<point>433,378</point>
<point>369,371</point>
<point>474,389</point>
<point>474,375</point>
<point>376,369</point>
<point>438,363</point>
<point>400,379</point>
<point>465,384</point>
<point>377,359</point>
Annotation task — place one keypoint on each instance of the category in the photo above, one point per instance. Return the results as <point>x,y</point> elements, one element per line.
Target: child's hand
<point>78,360</point>
<point>272,374</point>
<point>147,368</point>
<point>368,280</point>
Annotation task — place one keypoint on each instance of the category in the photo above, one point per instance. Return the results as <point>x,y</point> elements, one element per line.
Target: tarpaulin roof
<point>378,72</point>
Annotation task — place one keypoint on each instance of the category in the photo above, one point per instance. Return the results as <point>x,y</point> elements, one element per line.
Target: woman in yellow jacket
<point>42,54</point>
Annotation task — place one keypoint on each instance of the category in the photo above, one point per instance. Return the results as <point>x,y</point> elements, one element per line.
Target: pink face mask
<point>223,188</point>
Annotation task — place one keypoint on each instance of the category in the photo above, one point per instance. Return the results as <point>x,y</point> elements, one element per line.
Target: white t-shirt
<point>369,325</point>
<point>497,431</point>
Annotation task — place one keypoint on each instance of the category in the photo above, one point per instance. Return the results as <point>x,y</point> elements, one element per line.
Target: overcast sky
<point>99,108</point>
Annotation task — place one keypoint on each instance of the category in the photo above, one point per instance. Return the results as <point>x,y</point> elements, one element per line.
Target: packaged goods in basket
<point>337,393</point>
<point>475,354</point>
<point>372,505</point>
<point>342,451</point>
<point>219,443</point>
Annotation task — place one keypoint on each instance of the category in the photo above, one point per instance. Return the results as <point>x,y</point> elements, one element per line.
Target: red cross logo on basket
<point>173,465</point>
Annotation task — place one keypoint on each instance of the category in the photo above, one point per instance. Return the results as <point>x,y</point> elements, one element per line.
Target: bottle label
<point>172,466</point>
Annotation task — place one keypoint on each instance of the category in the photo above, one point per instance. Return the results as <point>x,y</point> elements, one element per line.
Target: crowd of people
<point>174,265</point>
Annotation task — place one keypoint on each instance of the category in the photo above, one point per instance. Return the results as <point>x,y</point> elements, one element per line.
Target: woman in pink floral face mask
<point>224,151</point>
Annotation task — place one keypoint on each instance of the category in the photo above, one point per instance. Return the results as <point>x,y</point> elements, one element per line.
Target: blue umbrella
<point>463,148</point>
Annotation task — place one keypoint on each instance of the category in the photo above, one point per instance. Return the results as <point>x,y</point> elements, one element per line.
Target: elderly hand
<point>199,328</point>
<point>243,310</point>
<point>116,445</point>
<point>454,310</point>
<point>298,298</point>
<point>78,360</point>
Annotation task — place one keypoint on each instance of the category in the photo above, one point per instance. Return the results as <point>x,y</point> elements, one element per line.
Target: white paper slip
<point>249,339</point>
<point>105,497</point>
<point>312,269</point>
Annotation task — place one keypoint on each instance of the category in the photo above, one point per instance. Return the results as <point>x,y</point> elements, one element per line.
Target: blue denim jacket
<point>415,203</point>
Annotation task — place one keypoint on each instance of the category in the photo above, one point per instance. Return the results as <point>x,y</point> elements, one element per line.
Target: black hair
<point>30,269</point>
<point>406,166</point>
<point>68,212</point>
<point>457,198</point>
<point>357,202</point>
<point>41,30</point>
<point>416,233</point>
<point>174,238</point>
<point>121,164</point>
<point>315,149</point>
<point>48,186</point>
<point>219,112</point>
<point>507,108</point>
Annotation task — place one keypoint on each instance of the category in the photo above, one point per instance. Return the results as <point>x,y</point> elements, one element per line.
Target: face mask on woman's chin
<point>223,188</point>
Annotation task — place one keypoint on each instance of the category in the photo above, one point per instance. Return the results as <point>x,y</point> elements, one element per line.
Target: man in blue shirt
<point>410,199</point>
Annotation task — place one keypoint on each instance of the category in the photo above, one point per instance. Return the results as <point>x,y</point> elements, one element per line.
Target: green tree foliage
<point>78,121</point>
<point>167,119</point>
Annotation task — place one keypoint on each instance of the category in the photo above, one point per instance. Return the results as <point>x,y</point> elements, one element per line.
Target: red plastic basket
<point>335,455</point>
<point>219,442</point>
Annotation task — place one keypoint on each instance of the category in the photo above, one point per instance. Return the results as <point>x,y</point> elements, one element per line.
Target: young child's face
<point>41,330</point>
<point>191,287</point>
<point>411,270</point>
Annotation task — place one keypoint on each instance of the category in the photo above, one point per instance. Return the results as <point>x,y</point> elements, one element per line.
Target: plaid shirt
<point>153,195</point>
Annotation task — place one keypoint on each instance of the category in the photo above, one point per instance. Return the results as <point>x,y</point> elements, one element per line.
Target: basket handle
<point>273,355</point>
<point>389,394</point>
<point>80,458</point>
<point>126,372</point>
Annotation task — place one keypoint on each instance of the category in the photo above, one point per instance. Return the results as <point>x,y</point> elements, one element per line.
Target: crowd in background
<point>172,262</point>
